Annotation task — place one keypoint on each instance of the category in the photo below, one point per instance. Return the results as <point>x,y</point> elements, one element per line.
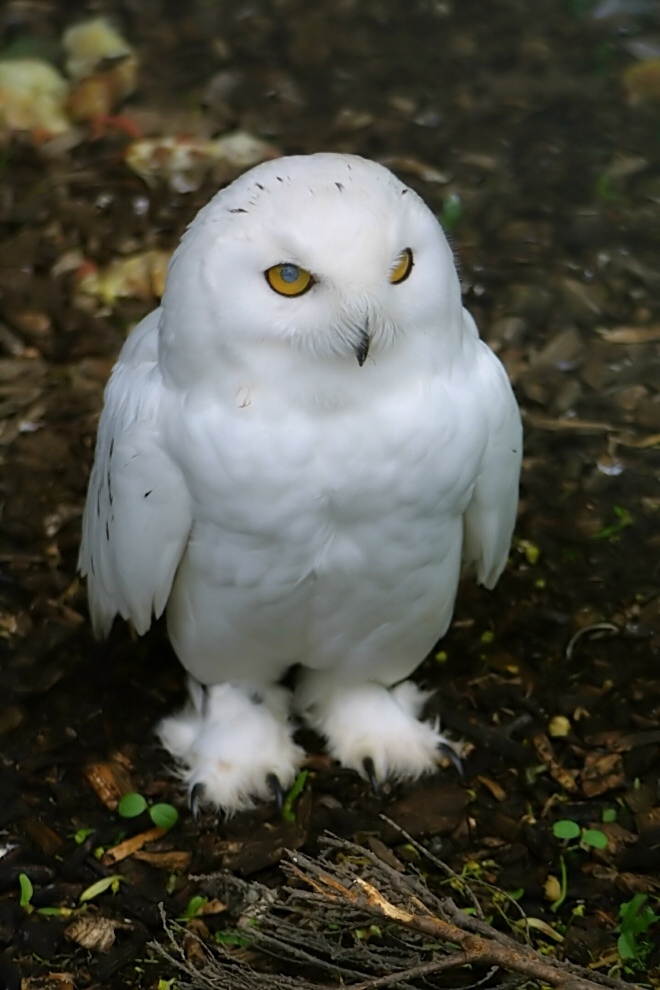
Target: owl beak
<point>361,346</point>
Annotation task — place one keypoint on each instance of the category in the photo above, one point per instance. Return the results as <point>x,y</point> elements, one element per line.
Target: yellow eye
<point>403,267</point>
<point>288,279</point>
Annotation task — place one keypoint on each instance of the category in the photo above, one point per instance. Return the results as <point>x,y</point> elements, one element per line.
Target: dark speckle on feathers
<point>238,209</point>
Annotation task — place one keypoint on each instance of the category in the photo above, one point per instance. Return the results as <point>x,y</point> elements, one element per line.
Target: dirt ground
<point>533,131</point>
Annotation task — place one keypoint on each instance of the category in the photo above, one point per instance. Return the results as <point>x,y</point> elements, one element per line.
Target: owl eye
<point>402,267</point>
<point>288,279</point>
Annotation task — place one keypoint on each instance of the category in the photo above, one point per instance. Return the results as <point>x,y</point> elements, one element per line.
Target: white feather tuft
<point>369,721</point>
<point>230,744</point>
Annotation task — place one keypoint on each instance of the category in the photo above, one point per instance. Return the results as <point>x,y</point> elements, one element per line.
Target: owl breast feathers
<point>299,453</point>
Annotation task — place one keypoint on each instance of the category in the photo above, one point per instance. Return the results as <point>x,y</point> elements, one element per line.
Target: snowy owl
<point>299,453</point>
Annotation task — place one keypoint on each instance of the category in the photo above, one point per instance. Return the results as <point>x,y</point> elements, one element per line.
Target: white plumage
<point>299,451</point>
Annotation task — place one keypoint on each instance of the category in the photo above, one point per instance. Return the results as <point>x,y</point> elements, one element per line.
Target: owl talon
<point>273,782</point>
<point>444,749</point>
<point>196,794</point>
<point>370,770</point>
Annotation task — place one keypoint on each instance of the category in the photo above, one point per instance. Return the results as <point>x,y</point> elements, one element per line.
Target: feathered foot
<point>377,731</point>
<point>231,747</point>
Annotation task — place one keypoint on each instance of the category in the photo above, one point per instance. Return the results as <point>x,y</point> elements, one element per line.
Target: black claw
<point>444,749</point>
<point>273,782</point>
<point>370,770</point>
<point>195,799</point>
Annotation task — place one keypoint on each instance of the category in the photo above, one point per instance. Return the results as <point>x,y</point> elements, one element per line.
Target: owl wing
<point>137,517</point>
<point>491,514</point>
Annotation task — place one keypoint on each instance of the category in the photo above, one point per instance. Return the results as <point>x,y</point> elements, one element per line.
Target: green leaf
<point>131,805</point>
<point>626,945</point>
<point>637,916</point>
<point>594,837</point>
<point>164,815</point>
<point>27,890</point>
<point>609,815</point>
<point>82,833</point>
<point>624,519</point>
<point>228,937</point>
<point>193,907</point>
<point>100,887</point>
<point>566,829</point>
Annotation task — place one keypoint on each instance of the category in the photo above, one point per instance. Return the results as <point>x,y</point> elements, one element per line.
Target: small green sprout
<point>566,829</point>
<point>163,816</point>
<point>230,936</point>
<point>194,907</point>
<point>589,838</point>
<point>613,531</point>
<point>288,814</point>
<point>27,891</point>
<point>101,886</point>
<point>81,834</point>
<point>25,901</point>
<point>636,918</point>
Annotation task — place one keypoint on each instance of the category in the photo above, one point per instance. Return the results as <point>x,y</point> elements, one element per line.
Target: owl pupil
<point>289,273</point>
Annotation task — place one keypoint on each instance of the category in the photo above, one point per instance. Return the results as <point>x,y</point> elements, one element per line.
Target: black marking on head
<point>109,480</point>
<point>107,532</point>
<point>112,447</point>
<point>279,178</point>
<point>259,186</point>
<point>147,494</point>
<point>238,209</point>
<point>339,186</point>
<point>403,192</point>
<point>98,502</point>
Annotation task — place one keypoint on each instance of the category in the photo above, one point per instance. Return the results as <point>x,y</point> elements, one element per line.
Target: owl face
<point>328,256</point>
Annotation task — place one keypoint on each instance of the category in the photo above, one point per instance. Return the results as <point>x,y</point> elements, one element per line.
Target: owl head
<point>323,261</point>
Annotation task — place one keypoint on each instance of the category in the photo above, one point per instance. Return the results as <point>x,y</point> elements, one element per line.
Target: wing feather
<point>491,514</point>
<point>137,517</point>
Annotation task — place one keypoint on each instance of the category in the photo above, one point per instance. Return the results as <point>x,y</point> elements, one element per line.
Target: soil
<point>526,129</point>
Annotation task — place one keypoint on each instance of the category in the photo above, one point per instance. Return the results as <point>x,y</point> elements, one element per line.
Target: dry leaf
<point>94,932</point>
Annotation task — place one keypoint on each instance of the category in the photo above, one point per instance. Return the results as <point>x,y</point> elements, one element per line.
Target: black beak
<point>362,346</point>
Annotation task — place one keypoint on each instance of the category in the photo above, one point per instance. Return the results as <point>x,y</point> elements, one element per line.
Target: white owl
<point>299,453</point>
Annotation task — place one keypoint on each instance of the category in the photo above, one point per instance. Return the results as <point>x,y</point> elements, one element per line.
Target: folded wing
<point>138,516</point>
<point>490,517</point>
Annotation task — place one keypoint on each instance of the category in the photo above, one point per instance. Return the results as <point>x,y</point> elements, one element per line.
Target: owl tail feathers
<point>229,745</point>
<point>380,726</point>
